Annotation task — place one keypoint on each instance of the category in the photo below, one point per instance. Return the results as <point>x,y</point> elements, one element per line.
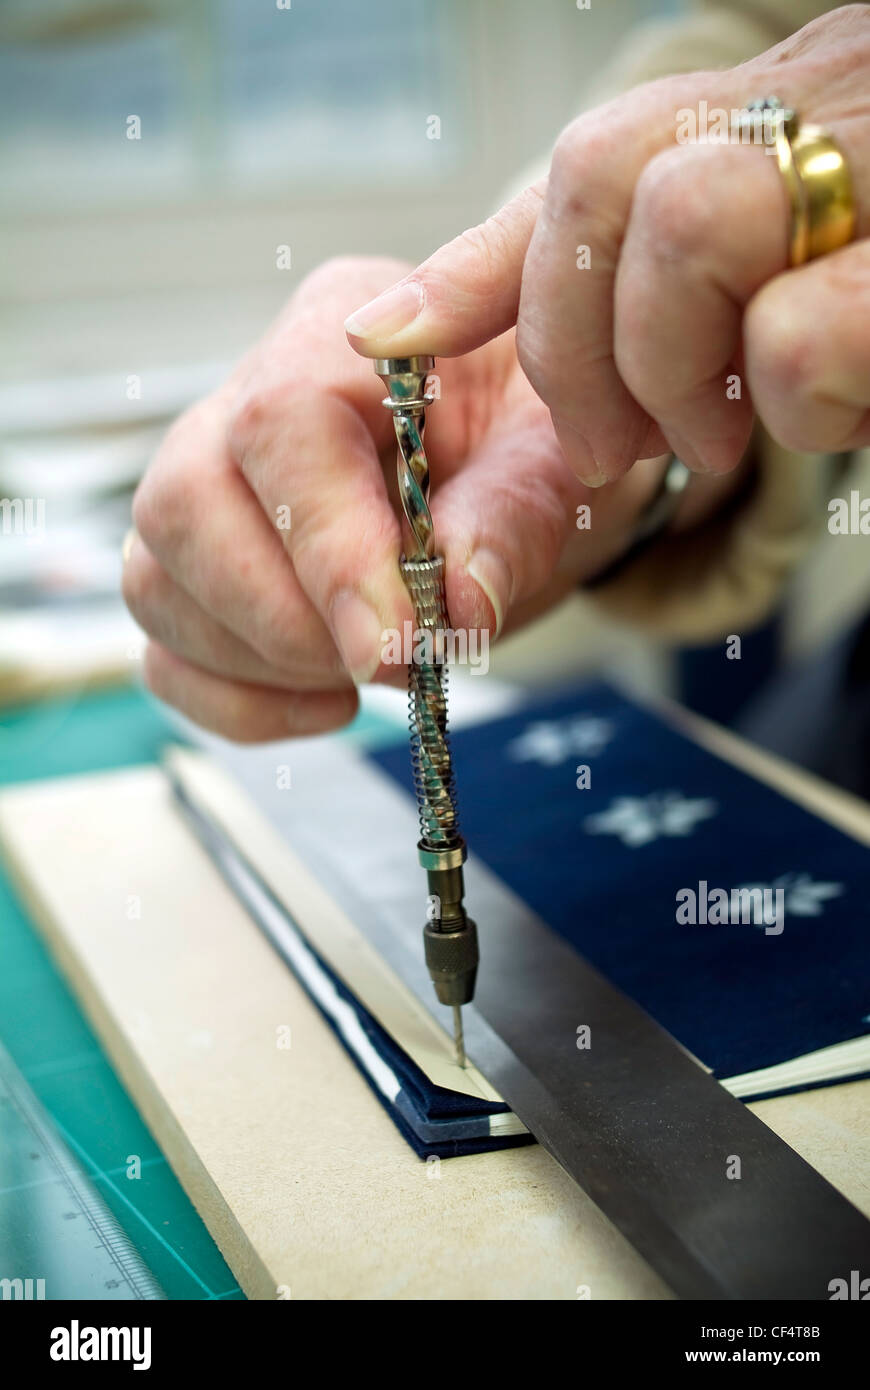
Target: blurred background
<point>171,169</point>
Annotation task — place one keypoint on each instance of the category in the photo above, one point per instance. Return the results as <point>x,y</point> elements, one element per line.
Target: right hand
<point>686,292</point>
<point>259,632</point>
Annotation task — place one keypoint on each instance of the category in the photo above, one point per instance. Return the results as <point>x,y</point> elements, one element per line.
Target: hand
<point>688,283</point>
<point>258,631</point>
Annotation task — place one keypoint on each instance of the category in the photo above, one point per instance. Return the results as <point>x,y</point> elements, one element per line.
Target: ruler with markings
<point>58,1238</point>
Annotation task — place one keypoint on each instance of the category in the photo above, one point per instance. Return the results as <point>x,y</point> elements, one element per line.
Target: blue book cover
<point>639,847</point>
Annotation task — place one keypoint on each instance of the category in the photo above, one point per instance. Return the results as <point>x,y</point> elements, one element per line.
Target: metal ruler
<point>58,1239</point>
<point>638,1124</point>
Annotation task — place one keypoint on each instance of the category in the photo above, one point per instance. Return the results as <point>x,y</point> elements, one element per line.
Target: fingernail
<point>127,547</point>
<point>596,479</point>
<point>492,574</point>
<point>688,455</point>
<point>388,314</point>
<point>358,631</point>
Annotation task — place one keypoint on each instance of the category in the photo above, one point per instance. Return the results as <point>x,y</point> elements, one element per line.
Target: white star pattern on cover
<point>801,896</point>
<point>552,741</point>
<point>639,820</point>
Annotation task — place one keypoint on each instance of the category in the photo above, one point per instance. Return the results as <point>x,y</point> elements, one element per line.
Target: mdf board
<point>299,1174</point>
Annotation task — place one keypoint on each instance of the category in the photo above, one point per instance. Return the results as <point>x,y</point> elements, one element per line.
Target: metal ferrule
<point>452,858</point>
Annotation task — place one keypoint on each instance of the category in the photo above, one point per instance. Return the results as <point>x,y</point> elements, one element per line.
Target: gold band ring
<point>816,178</point>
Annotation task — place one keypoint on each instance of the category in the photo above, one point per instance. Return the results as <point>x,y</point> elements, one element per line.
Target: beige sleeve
<point>697,585</point>
<point>714,34</point>
<point>725,575</point>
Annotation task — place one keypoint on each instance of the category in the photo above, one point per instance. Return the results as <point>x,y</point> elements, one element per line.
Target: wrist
<point>672,501</point>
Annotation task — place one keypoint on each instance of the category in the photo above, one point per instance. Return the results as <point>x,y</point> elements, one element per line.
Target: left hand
<point>258,630</point>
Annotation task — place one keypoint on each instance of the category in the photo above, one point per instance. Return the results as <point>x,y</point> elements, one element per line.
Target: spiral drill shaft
<point>449,935</point>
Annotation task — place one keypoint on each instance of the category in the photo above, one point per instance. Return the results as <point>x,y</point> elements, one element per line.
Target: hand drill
<point>449,936</point>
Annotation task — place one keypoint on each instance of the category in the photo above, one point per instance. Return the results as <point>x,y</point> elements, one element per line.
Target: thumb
<point>465,294</point>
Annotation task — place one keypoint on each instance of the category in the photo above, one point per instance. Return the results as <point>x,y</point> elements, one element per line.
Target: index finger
<point>464,295</point>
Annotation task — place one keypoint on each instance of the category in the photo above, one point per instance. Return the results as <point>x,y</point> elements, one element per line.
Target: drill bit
<point>459,1034</point>
<point>449,935</point>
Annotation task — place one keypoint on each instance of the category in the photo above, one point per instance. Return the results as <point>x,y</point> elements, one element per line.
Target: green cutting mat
<point>43,1028</point>
<point>49,1039</point>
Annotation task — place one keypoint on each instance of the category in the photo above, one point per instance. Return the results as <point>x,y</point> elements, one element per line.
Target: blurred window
<point>233,96</point>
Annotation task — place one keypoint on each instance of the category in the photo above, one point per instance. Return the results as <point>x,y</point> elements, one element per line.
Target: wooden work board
<point>299,1174</point>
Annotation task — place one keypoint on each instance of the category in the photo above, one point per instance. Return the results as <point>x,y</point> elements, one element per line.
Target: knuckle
<point>148,510</point>
<point>156,673</point>
<point>263,410</point>
<point>142,584</point>
<point>163,506</point>
<point>590,151</point>
<point>252,413</point>
<point>166,499</point>
<point>672,208</point>
<point>783,349</point>
<point>583,147</point>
